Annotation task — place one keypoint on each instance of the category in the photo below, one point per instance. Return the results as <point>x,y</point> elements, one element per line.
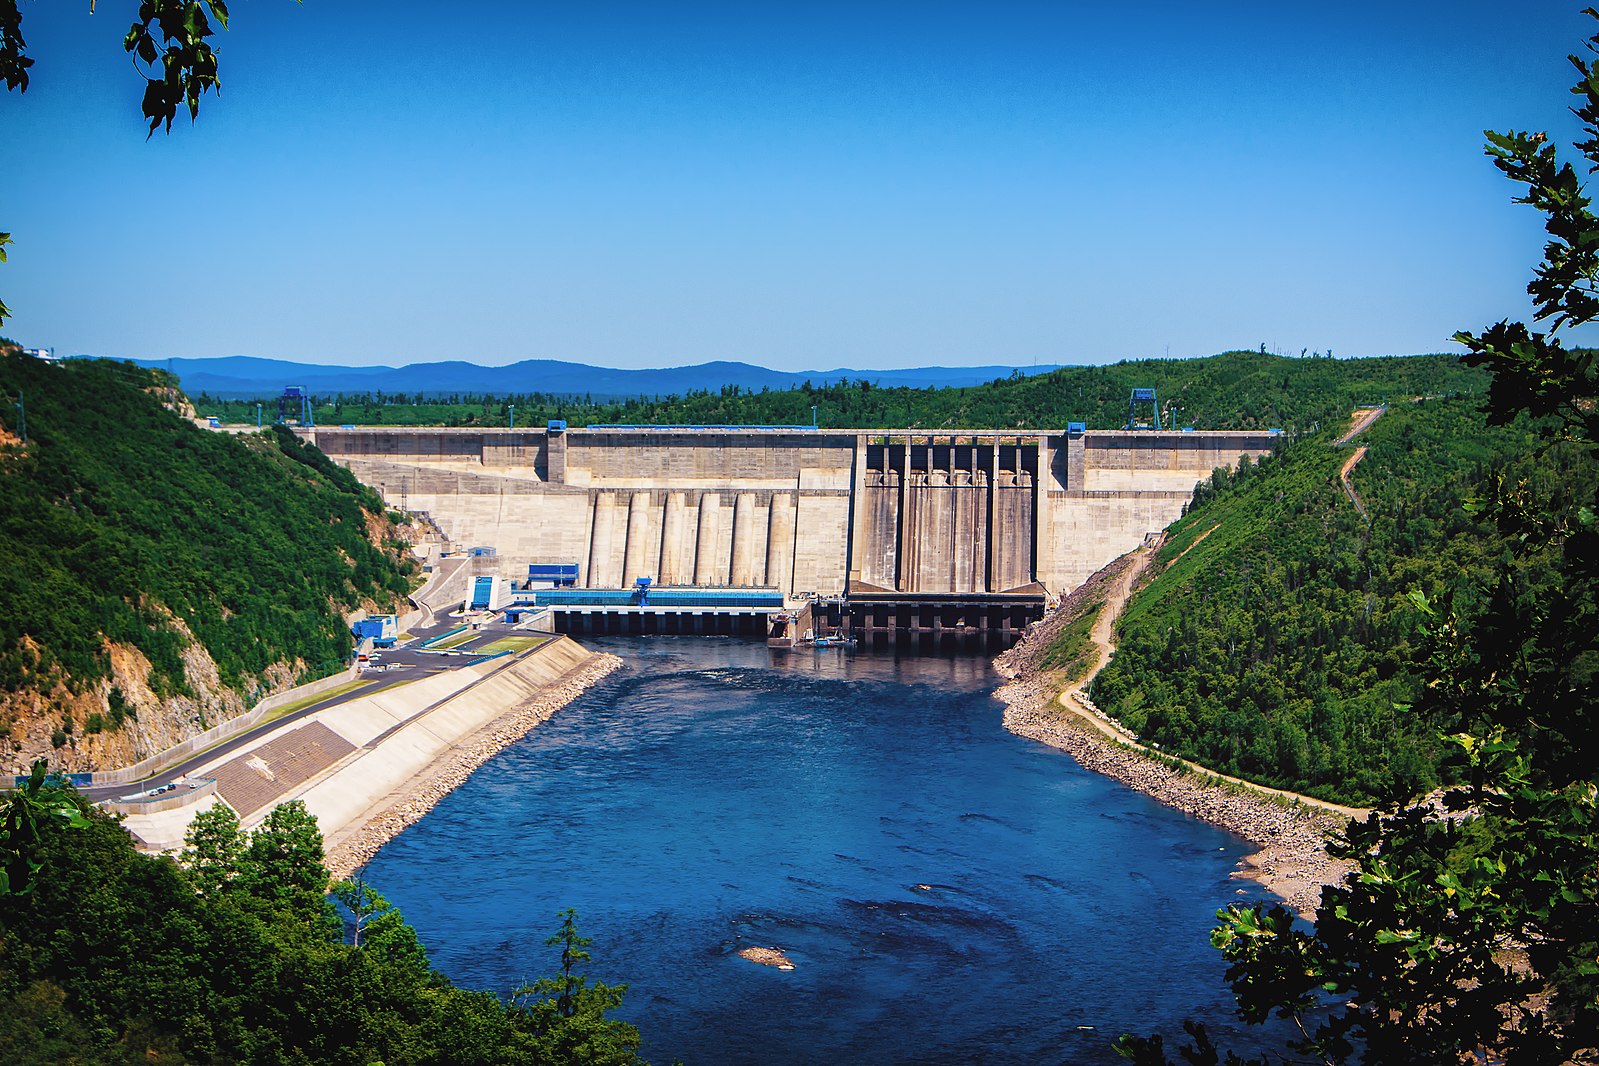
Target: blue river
<point>947,892</point>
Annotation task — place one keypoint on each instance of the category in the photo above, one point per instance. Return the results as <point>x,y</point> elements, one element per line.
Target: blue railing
<point>657,597</point>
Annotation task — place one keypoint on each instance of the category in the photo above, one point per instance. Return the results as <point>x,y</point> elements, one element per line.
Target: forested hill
<point>1277,643</point>
<point>1236,390</point>
<point>158,574</point>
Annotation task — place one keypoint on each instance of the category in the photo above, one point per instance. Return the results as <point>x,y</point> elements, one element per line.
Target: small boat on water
<point>836,639</point>
<point>783,635</point>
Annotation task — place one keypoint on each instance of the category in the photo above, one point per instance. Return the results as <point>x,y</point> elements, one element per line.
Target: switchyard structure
<point>950,538</point>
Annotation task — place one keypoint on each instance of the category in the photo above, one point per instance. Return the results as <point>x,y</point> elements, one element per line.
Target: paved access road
<point>394,666</point>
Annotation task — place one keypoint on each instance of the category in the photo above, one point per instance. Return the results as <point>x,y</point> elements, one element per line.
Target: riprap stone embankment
<point>1292,861</point>
<point>349,851</point>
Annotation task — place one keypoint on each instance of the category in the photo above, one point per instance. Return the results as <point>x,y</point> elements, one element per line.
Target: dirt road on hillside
<point>1291,830</point>
<point>1359,422</point>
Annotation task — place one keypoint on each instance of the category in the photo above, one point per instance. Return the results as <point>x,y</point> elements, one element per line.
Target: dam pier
<point>947,539</point>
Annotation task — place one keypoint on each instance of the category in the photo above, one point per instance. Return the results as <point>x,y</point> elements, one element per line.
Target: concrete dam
<point>959,535</point>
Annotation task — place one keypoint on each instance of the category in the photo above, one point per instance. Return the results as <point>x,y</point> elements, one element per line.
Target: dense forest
<point>1280,637</point>
<point>1237,390</point>
<point>239,954</point>
<point>123,524</point>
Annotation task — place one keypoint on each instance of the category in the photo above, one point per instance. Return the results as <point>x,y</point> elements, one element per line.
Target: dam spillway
<point>933,529</point>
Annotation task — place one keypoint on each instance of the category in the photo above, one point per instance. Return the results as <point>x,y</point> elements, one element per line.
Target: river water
<point>947,892</point>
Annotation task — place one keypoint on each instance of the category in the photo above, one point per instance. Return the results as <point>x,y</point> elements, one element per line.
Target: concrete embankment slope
<point>392,763</point>
<point>406,770</point>
<point>353,762</point>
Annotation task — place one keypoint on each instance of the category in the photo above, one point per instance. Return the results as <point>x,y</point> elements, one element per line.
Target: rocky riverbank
<point>450,770</point>
<point>1292,861</point>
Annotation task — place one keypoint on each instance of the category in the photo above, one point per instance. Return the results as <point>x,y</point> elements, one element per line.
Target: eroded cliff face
<point>163,579</point>
<point>121,719</point>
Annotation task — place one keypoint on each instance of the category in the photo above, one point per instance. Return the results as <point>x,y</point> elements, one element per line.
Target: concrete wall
<point>809,512</point>
<point>357,787</point>
<point>397,733</point>
<point>218,734</point>
<point>1013,532</point>
<point>1107,489</point>
<point>1088,530</point>
<point>1125,461</point>
<point>877,561</point>
<point>691,459</point>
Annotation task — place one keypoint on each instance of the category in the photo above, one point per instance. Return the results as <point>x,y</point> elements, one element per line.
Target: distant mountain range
<point>244,377</point>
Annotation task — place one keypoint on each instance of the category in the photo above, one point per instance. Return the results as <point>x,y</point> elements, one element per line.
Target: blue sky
<point>799,186</point>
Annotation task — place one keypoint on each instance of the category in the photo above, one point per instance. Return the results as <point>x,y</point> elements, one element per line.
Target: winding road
<point>1075,697</point>
<point>1362,419</point>
<point>403,664</point>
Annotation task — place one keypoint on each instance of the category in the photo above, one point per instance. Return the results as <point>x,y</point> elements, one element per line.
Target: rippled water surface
<point>948,892</point>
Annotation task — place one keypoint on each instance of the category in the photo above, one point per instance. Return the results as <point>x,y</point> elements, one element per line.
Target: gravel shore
<point>1291,862</point>
<point>451,769</point>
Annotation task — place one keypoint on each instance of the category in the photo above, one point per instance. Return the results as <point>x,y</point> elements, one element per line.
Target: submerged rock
<point>766,957</point>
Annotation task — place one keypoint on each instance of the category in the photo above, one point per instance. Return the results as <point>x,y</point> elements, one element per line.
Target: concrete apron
<point>397,734</point>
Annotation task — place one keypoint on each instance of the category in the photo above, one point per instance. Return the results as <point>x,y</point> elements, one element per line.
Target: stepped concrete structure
<point>910,517</point>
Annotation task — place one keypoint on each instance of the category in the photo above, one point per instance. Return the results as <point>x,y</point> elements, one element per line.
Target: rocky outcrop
<point>773,957</point>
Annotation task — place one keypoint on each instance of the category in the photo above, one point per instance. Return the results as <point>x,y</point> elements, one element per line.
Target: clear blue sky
<point>800,186</point>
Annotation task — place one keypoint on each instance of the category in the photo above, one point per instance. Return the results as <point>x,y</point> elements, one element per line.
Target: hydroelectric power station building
<point>953,536</point>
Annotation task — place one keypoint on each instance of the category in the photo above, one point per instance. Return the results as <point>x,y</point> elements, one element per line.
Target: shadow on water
<point>946,891</point>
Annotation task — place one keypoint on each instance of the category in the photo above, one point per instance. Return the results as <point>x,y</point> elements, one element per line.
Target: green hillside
<point>122,523</point>
<point>1277,642</point>
<point>1237,390</point>
<point>235,955</point>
